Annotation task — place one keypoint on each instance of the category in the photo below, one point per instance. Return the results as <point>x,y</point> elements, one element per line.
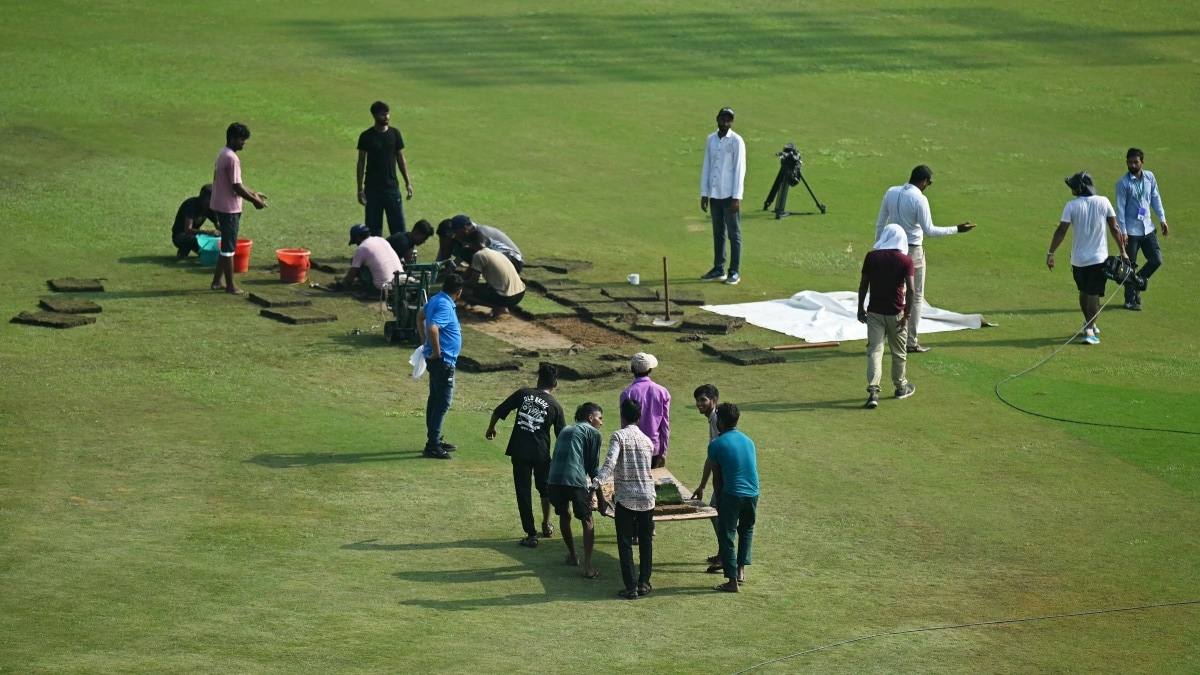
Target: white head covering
<point>892,238</point>
<point>643,362</point>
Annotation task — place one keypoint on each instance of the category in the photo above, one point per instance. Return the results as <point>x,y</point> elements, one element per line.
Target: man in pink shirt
<point>226,202</point>
<point>375,262</point>
<point>655,421</point>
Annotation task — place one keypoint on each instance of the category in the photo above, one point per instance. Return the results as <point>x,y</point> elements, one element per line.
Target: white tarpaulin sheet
<point>831,317</point>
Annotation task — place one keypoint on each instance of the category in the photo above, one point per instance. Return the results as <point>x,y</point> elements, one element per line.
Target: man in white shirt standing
<point>907,206</point>
<point>1088,212</point>
<point>1137,195</point>
<point>721,182</point>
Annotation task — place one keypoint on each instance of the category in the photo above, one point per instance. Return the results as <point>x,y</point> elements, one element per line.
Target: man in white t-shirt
<point>1089,213</point>
<point>375,262</point>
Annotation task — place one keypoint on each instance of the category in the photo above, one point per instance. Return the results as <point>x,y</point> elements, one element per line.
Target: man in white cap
<point>887,272</point>
<point>655,400</point>
<point>1088,212</point>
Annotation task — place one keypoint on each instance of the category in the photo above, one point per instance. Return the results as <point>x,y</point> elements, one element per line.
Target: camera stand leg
<point>781,202</point>
<point>810,192</point>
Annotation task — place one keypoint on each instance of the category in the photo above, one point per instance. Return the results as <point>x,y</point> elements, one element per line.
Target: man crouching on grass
<point>576,457</point>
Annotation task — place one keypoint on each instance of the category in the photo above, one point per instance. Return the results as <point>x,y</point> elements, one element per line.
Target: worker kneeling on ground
<point>374,264</point>
<point>501,287</point>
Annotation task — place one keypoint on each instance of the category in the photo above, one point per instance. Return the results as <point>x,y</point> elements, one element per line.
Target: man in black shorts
<point>529,444</point>
<point>191,215</point>
<point>1088,212</point>
<point>380,151</point>
<point>576,461</point>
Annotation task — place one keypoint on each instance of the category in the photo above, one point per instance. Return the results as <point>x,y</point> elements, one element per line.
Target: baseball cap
<point>358,231</point>
<point>1081,183</point>
<point>459,222</point>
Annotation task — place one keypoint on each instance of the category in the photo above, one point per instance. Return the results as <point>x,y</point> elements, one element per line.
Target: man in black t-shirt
<point>191,215</point>
<point>406,243</point>
<point>380,151</point>
<point>529,445</point>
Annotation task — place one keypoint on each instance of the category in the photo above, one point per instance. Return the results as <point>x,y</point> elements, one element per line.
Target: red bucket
<point>241,255</point>
<point>293,264</point>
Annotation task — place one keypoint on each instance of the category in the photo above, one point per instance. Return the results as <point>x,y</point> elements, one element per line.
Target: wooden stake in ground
<point>666,320</point>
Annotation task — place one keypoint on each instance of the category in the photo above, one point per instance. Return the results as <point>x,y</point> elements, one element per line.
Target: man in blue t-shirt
<point>735,480</point>
<point>437,323</point>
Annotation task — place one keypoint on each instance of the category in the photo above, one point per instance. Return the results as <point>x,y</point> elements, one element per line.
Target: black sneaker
<point>435,453</point>
<point>907,391</point>
<point>448,447</point>
<point>872,401</point>
<point>1133,306</point>
<point>715,274</point>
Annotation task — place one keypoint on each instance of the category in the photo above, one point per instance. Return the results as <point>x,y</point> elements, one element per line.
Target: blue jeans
<point>380,200</point>
<point>1148,245</point>
<point>441,389</point>
<point>726,223</point>
<point>735,515</point>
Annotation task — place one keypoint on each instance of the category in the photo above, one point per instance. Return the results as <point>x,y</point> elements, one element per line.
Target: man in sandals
<point>529,444</point>
<point>735,478</point>
<point>576,456</point>
<point>628,463</point>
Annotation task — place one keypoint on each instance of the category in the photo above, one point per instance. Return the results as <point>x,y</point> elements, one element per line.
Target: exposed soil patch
<point>298,315</point>
<point>73,285</point>
<point>586,333</point>
<point>513,330</point>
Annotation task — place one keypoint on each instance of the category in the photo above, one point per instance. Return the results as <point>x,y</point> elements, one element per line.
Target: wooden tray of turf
<point>689,509</point>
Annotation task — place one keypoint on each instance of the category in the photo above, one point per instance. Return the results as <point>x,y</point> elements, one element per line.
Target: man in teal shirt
<point>735,480</point>
<point>575,462</point>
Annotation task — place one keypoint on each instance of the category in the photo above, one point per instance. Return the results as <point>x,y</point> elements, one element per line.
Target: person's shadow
<point>559,580</point>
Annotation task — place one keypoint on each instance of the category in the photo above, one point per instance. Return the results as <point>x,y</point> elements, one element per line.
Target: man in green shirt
<point>576,461</point>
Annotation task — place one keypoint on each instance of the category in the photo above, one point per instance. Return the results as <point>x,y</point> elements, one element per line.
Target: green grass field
<point>187,487</point>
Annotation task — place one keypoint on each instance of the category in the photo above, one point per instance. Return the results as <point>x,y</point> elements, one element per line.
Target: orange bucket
<point>293,264</point>
<point>241,255</point>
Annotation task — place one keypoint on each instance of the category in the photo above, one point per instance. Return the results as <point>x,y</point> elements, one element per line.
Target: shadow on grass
<point>555,48</point>
<point>801,406</point>
<point>168,261</point>
<point>302,459</point>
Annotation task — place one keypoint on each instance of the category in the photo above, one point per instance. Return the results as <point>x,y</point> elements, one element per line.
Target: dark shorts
<point>228,222</point>
<point>186,242</point>
<point>487,295</point>
<point>1090,280</point>
<point>580,499</point>
<point>541,472</point>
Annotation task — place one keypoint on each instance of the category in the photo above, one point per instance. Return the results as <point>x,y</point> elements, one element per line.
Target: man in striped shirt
<point>628,462</point>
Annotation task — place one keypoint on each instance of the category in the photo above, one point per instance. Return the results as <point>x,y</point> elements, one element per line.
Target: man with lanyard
<point>1137,194</point>
<point>722,180</point>
<point>380,151</point>
<point>437,323</point>
<point>907,206</point>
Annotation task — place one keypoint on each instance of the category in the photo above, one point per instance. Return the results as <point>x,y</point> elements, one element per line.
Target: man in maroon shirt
<point>887,272</point>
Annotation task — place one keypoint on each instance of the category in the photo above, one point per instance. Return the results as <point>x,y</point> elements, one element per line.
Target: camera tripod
<point>788,177</point>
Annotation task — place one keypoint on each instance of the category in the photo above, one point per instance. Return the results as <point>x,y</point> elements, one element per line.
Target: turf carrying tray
<point>70,306</point>
<point>73,285</point>
<point>53,319</point>
<point>298,315</point>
